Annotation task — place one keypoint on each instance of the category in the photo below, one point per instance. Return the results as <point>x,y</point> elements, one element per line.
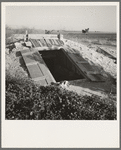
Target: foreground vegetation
<point>32,102</point>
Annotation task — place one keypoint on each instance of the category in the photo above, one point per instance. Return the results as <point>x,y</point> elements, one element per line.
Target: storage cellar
<point>60,65</point>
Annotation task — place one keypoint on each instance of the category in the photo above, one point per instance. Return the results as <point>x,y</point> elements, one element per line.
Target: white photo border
<point>58,134</point>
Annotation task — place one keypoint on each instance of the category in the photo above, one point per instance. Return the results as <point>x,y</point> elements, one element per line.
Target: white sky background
<point>97,18</point>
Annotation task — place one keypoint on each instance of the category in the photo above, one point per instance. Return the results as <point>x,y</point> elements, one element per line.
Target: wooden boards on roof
<point>46,42</point>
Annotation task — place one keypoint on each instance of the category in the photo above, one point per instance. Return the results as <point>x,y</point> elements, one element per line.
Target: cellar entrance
<point>61,67</point>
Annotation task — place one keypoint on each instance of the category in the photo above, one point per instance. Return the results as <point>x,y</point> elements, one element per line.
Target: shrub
<point>30,101</point>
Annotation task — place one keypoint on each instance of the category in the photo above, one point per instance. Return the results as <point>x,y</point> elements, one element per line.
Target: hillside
<point>26,100</point>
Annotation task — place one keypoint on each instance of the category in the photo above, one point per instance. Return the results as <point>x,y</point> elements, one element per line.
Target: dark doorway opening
<point>61,67</point>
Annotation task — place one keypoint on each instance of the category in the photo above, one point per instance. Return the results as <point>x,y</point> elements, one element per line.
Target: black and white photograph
<point>61,62</point>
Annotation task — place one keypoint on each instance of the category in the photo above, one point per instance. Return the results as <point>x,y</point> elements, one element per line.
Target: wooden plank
<point>77,58</point>
<point>28,59</point>
<point>56,43</point>
<point>40,36</point>
<point>78,68</point>
<point>62,43</point>
<point>81,67</point>
<point>25,51</point>
<point>46,71</point>
<point>48,42</point>
<point>53,42</point>
<point>39,78</point>
<point>36,43</point>
<point>45,48</point>
<point>43,42</point>
<point>104,49</point>
<point>42,82</point>
<point>59,42</point>
<point>81,62</point>
<point>43,67</point>
<point>31,63</point>
<point>96,77</point>
<point>40,43</point>
<point>35,71</point>
<point>32,42</point>
<point>88,67</point>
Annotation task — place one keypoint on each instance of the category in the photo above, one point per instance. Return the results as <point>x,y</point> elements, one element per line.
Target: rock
<point>18,45</point>
<point>28,44</point>
<point>64,84</point>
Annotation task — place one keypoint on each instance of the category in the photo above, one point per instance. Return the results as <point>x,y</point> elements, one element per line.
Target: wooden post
<point>60,36</point>
<point>26,36</point>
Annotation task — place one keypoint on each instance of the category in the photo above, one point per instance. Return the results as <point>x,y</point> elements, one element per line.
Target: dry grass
<point>92,38</point>
<point>15,71</point>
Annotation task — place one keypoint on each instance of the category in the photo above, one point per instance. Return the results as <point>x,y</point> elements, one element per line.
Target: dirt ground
<point>100,63</point>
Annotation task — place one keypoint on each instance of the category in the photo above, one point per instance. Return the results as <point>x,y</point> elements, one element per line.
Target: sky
<point>96,18</point>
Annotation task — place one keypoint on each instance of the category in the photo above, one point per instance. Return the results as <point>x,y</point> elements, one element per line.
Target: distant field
<point>109,36</point>
<point>97,38</point>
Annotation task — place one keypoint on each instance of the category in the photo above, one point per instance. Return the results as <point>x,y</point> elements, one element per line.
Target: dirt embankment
<point>102,64</point>
<point>15,68</point>
<point>98,60</point>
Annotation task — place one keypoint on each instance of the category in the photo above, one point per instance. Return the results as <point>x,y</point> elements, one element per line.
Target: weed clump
<point>32,102</point>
